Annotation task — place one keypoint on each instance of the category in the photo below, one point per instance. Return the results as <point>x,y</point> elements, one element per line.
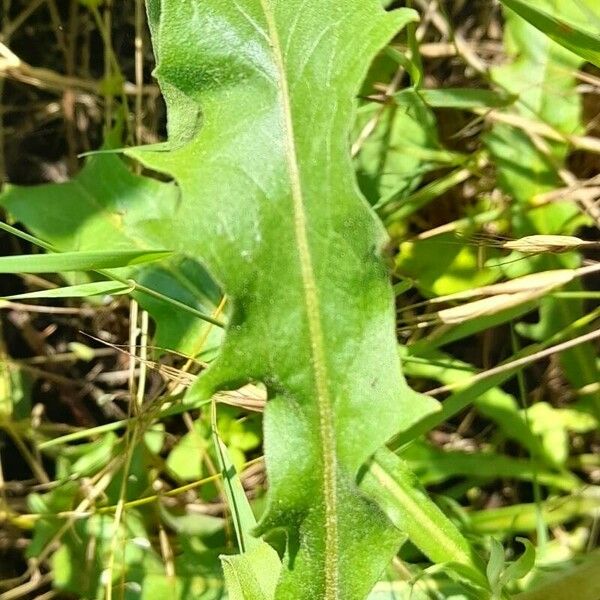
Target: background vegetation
<point>475,131</point>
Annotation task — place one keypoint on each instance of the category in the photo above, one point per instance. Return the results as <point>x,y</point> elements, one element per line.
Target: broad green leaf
<point>577,40</point>
<point>413,512</point>
<point>79,261</point>
<point>252,575</point>
<point>261,98</point>
<point>191,587</point>
<point>84,290</point>
<point>520,567</point>
<point>107,207</point>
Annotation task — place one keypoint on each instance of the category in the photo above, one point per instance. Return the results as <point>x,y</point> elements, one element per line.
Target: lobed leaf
<point>261,98</point>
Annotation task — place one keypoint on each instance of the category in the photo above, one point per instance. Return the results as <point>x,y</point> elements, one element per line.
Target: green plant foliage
<point>523,517</point>
<point>581,582</point>
<point>108,206</point>
<point>540,72</point>
<point>297,132</point>
<point>583,43</point>
<point>402,148</point>
<point>78,261</point>
<point>84,290</point>
<point>500,574</point>
<point>269,203</point>
<point>254,574</point>
<point>398,490</point>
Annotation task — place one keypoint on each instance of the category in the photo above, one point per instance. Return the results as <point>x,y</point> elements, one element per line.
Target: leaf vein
<point>312,302</point>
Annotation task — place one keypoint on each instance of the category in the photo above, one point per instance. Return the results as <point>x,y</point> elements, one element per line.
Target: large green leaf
<point>261,96</point>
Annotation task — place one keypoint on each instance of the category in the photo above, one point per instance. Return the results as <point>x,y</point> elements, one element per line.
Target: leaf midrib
<point>313,313</point>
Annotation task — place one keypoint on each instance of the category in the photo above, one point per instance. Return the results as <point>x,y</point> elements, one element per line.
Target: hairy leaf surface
<point>261,97</point>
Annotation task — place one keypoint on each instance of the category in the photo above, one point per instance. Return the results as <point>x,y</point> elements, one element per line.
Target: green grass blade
<point>523,517</point>
<point>253,574</point>
<point>79,261</point>
<point>84,290</point>
<point>460,98</point>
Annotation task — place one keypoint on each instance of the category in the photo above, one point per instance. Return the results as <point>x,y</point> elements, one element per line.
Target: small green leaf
<point>495,563</point>
<point>185,460</point>
<point>79,261</point>
<point>252,575</point>
<point>520,567</point>
<point>96,455</point>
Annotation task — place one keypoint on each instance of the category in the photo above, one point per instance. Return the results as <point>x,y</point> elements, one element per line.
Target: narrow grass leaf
<point>253,574</point>
<point>460,98</point>
<point>84,290</point>
<point>523,517</point>
<point>79,261</point>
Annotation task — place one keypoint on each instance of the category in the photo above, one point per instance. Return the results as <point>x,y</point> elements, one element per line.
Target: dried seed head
<point>545,280</point>
<point>485,307</point>
<point>533,244</point>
